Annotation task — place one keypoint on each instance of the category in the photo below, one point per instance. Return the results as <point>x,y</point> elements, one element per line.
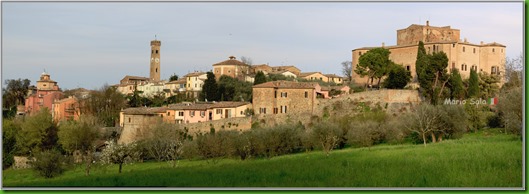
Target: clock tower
<point>155,60</point>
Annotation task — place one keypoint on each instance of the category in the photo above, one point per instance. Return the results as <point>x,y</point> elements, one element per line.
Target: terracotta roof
<point>144,110</point>
<point>430,43</point>
<point>307,74</point>
<point>65,100</point>
<point>179,81</point>
<point>287,84</point>
<point>262,65</point>
<point>332,76</point>
<point>231,61</point>
<point>206,105</point>
<point>194,74</point>
<point>129,77</point>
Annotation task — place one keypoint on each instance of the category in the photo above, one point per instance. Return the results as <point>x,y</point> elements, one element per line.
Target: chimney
<point>427,23</point>
<point>232,57</point>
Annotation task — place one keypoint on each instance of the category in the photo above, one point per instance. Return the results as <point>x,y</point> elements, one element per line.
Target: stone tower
<point>155,60</point>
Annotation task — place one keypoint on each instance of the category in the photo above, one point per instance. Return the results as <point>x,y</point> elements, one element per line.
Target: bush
<point>48,163</point>
<point>326,136</point>
<point>365,133</point>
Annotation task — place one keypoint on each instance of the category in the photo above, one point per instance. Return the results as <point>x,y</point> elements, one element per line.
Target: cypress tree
<point>473,84</point>
<point>456,85</point>
<point>209,89</point>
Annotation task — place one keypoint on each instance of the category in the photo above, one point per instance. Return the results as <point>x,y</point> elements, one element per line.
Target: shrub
<point>48,163</point>
<point>326,135</point>
<point>365,133</point>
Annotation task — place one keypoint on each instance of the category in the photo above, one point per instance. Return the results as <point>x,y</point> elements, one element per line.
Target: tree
<point>424,121</point>
<point>165,142</point>
<point>105,104</point>
<point>457,90</point>
<point>209,89</point>
<point>488,85</point>
<point>246,60</point>
<point>10,128</point>
<point>347,68</point>
<point>374,64</point>
<point>398,77</point>
<point>15,92</point>
<point>80,135</point>
<point>513,72</point>
<point>37,133</point>
<point>511,106</point>
<point>431,73</point>
<point>326,135</point>
<point>48,163</point>
<point>260,78</point>
<point>120,153</point>
<point>231,89</point>
<point>473,84</point>
<point>173,77</point>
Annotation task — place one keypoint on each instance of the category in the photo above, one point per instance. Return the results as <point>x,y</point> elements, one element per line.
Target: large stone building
<point>462,55</point>
<point>281,97</point>
<point>42,96</point>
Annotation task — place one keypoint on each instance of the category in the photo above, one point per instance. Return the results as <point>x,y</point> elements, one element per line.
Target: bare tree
<point>246,60</point>
<point>347,69</point>
<point>424,121</point>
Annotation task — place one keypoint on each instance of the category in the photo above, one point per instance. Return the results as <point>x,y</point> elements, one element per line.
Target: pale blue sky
<point>89,44</point>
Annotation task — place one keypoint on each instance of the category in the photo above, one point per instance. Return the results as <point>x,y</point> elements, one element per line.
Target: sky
<point>90,44</point>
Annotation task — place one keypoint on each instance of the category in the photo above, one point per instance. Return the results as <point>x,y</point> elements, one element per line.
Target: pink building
<point>46,92</point>
<point>66,109</point>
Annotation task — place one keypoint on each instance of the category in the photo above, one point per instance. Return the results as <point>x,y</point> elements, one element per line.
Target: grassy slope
<point>477,160</point>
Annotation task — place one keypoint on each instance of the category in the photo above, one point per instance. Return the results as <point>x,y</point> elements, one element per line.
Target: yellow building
<point>462,55</point>
<point>313,76</point>
<point>194,83</point>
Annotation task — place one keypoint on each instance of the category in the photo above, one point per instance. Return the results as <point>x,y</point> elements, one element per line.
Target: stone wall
<point>21,162</point>
<point>134,127</point>
<point>239,124</point>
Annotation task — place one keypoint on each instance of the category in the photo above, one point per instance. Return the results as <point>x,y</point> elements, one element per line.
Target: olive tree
<point>80,135</point>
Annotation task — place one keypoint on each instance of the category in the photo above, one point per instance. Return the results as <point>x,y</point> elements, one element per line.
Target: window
<point>242,113</point>
<point>129,119</point>
<point>192,113</point>
<point>453,45</point>
<point>284,94</point>
<point>168,113</point>
<point>202,113</point>
<point>275,94</point>
<point>188,85</point>
<point>152,51</point>
<point>463,49</point>
<point>219,111</point>
<point>262,110</point>
<point>462,67</point>
<point>195,85</point>
<point>474,50</point>
<point>407,67</point>
<point>306,94</point>
<point>181,114</point>
<point>474,67</point>
<point>492,50</point>
<point>275,111</point>
<point>493,70</point>
<point>156,51</point>
<point>284,109</point>
<point>156,70</point>
<point>229,71</point>
<point>196,78</point>
<point>501,50</point>
<point>321,78</point>
<point>281,109</point>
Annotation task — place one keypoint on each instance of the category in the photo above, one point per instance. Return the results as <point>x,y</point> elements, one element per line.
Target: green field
<point>477,160</point>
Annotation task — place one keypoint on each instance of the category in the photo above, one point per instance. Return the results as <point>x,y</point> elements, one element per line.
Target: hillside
<point>485,159</point>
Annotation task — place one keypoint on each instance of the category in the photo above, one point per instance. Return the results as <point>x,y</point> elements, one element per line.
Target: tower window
<point>407,67</point>
<point>152,51</point>
<point>474,50</point>
<point>156,70</point>
<point>156,51</point>
<point>463,49</point>
<point>492,50</point>
<point>306,94</point>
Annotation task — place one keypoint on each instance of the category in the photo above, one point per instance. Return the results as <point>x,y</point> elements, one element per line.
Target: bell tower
<point>155,60</point>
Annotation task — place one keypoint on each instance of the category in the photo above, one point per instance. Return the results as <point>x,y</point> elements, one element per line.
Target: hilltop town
<point>394,95</point>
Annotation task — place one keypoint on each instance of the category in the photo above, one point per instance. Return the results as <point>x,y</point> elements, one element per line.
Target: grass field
<point>477,160</point>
